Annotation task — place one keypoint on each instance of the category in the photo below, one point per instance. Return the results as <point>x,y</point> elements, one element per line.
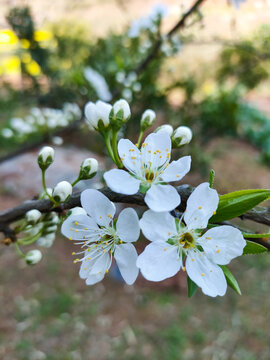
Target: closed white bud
<point>89,168</point>
<point>181,136</point>
<point>45,157</point>
<point>62,191</point>
<point>33,257</point>
<point>166,128</point>
<point>47,240</point>
<point>76,211</point>
<point>120,113</point>
<point>148,118</point>
<point>32,216</point>
<point>97,114</point>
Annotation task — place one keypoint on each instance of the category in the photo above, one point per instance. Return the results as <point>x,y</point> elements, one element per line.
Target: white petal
<point>200,206</point>
<point>158,226</point>
<point>93,279</point>
<point>206,274</point>
<point>156,148</point>
<point>85,268</point>
<point>101,264</point>
<point>159,261</point>
<point>121,182</point>
<point>129,154</point>
<point>162,198</point>
<point>127,226</point>
<point>177,169</point>
<point>126,257</point>
<point>78,227</point>
<point>98,206</point>
<point>222,244</point>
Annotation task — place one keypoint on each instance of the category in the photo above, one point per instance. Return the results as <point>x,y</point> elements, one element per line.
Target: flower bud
<point>32,216</point>
<point>76,211</point>
<point>62,191</point>
<point>147,120</point>
<point>47,240</point>
<point>120,113</point>
<point>97,115</point>
<point>166,127</point>
<point>88,169</point>
<point>181,136</point>
<point>33,257</point>
<point>45,157</point>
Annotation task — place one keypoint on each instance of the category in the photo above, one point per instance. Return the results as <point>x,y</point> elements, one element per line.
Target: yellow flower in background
<point>33,68</point>
<point>208,87</point>
<point>10,65</point>
<point>42,35</point>
<point>7,37</point>
<point>25,43</point>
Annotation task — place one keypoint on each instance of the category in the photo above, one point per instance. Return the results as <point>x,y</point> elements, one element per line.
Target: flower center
<point>187,240</point>
<point>149,175</point>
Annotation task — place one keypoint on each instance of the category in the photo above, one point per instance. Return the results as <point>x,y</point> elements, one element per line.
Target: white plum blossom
<point>89,168</point>
<point>45,153</point>
<point>148,118</point>
<point>101,238</point>
<point>77,211</point>
<point>33,257</point>
<point>172,241</point>
<point>166,127</point>
<point>62,191</point>
<point>97,112</point>
<point>122,106</point>
<point>148,171</point>
<point>237,3</point>
<point>33,216</point>
<point>182,136</point>
<point>46,240</point>
<point>98,83</point>
<point>7,133</point>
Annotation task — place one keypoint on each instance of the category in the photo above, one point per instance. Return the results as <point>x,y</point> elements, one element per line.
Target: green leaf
<point>253,248</point>
<point>192,287</point>
<point>231,281</point>
<point>237,203</point>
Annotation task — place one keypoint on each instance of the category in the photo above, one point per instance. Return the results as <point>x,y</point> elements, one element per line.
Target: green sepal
<point>144,187</point>
<point>236,203</point>
<point>253,248</point>
<point>231,281</point>
<point>44,164</point>
<point>192,287</point>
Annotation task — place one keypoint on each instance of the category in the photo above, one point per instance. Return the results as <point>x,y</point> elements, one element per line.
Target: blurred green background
<point>212,76</point>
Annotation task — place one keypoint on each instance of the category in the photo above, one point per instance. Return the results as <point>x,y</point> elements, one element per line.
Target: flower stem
<point>18,250</point>
<point>75,181</point>
<point>115,152</point>
<point>106,135</point>
<point>140,139</point>
<point>255,236</point>
<point>45,188</point>
<point>211,178</point>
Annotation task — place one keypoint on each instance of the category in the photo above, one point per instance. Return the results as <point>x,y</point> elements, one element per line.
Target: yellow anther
<point>89,258</point>
<point>104,251</point>
<point>83,237</point>
<point>88,250</point>
<point>85,268</point>
<point>149,151</point>
<point>69,238</point>
<point>71,229</point>
<point>121,242</point>
<point>73,253</point>
<point>178,176</point>
<point>76,223</point>
<point>183,268</point>
<point>143,145</point>
<point>218,250</point>
<point>136,145</point>
<point>202,274</point>
<point>214,212</point>
<point>133,157</point>
<point>100,217</point>
<point>193,259</point>
<point>208,238</point>
<point>165,249</point>
<point>169,233</point>
<point>107,270</point>
<point>85,228</point>
<point>167,149</point>
<point>200,207</point>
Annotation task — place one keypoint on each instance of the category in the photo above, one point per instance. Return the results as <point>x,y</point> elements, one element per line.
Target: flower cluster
<point>41,121</point>
<point>189,242</point>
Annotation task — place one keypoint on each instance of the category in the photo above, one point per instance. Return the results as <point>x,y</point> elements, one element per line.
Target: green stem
<point>140,139</point>
<point>211,178</point>
<point>115,152</point>
<point>18,250</point>
<point>30,239</point>
<point>255,236</point>
<point>75,181</point>
<point>45,188</point>
<point>106,135</point>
